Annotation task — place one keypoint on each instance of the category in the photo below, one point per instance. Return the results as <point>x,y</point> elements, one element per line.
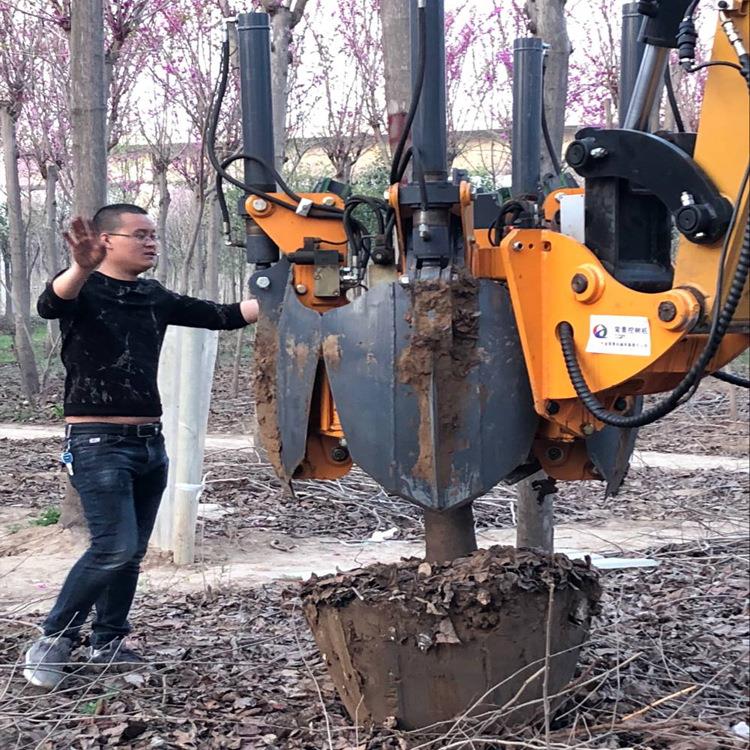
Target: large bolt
<point>667,311</point>
<point>587,428</point>
<point>518,246</point>
<point>263,282</point>
<point>300,289</point>
<point>260,204</point>
<point>554,453</point>
<point>404,280</point>
<point>579,283</point>
<point>553,407</point>
<point>339,454</point>
<point>328,201</point>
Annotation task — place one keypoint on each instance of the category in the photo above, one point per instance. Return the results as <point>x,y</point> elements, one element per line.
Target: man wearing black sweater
<point>112,324</point>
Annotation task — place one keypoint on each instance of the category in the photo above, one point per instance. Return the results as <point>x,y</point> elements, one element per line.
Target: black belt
<point>150,429</point>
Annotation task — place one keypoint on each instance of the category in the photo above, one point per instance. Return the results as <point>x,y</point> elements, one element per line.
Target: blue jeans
<point>120,480</point>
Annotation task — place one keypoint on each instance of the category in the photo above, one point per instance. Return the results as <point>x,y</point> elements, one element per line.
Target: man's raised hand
<point>87,249</point>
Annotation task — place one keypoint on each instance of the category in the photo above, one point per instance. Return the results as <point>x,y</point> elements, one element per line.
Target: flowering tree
<point>19,42</point>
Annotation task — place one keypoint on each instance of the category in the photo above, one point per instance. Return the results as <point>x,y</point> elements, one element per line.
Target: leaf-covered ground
<point>666,667</point>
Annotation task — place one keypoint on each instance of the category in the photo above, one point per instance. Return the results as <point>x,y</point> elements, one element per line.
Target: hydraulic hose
<point>728,377</point>
<point>316,211</point>
<point>719,328</point>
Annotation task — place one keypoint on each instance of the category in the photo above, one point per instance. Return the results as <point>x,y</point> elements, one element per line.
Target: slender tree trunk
<point>88,125</point>
<point>281,34</point>
<point>164,200</point>
<point>19,269</point>
<point>51,253</point>
<point>16,233</point>
<point>394,19</point>
<point>213,249</point>
<point>7,288</point>
<point>88,107</point>
<point>535,522</point>
<point>189,259</point>
<point>548,23</point>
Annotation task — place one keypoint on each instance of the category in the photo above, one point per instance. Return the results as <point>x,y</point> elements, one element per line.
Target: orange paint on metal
<point>721,150</point>
<point>541,265</point>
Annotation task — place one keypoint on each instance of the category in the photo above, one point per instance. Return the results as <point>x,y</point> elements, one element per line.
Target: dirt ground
<point>235,665</point>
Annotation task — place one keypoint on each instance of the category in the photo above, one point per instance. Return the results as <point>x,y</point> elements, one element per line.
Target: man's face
<point>133,246</point>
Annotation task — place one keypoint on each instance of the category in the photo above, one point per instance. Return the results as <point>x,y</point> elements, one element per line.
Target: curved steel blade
<point>431,388</point>
<point>610,450</point>
<point>287,353</point>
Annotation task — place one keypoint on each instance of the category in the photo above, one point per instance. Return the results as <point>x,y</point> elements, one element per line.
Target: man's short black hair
<point>109,218</point>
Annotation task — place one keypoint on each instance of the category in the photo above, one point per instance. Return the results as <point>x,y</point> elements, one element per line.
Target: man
<point>112,324</point>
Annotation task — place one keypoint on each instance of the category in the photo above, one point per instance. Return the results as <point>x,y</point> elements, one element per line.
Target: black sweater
<point>111,338</point>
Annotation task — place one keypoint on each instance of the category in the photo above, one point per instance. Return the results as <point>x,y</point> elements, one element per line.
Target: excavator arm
<point>446,343</point>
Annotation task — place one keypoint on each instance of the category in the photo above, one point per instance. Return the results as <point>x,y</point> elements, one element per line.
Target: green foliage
<point>48,517</point>
<point>38,339</point>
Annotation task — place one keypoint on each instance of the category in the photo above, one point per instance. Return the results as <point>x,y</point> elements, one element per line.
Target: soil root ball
<point>422,642</point>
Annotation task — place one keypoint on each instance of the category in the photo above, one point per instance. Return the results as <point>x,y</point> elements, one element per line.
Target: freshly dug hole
<point>423,642</point>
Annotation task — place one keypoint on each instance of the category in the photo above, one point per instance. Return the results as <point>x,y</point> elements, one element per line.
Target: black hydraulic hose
<point>213,122</point>
<point>396,165</point>
<point>673,101</point>
<point>719,328</point>
<point>316,211</point>
<point>728,377</point>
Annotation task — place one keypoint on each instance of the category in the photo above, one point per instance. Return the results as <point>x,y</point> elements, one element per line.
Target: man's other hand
<point>249,310</point>
<point>86,247</point>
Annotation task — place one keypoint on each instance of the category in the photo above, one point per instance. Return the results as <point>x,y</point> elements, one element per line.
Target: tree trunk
<point>88,126</point>
<point>535,523</point>
<point>7,288</point>
<point>19,269</point>
<point>281,34</point>
<point>449,534</point>
<point>548,23</point>
<point>394,20</point>
<point>88,107</point>
<point>16,233</point>
<point>51,253</point>
<point>213,248</point>
<point>164,200</point>
<point>188,260</point>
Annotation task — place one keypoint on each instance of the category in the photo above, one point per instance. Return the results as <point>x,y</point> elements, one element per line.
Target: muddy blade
<point>610,450</point>
<point>431,388</point>
<point>287,346</point>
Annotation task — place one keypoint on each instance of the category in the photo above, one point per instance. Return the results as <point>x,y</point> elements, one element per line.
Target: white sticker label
<point>619,334</point>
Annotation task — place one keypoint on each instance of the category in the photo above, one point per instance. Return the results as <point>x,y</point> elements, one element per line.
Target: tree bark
<point>8,284</point>
<point>164,200</point>
<point>449,534</point>
<point>394,20</point>
<point>535,521</point>
<point>283,21</point>
<point>88,125</point>
<point>213,249</point>
<point>88,107</point>
<point>18,262</point>
<point>547,19</point>
<point>51,253</point>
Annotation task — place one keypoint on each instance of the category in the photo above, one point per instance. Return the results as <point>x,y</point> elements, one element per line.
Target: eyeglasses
<point>142,237</point>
